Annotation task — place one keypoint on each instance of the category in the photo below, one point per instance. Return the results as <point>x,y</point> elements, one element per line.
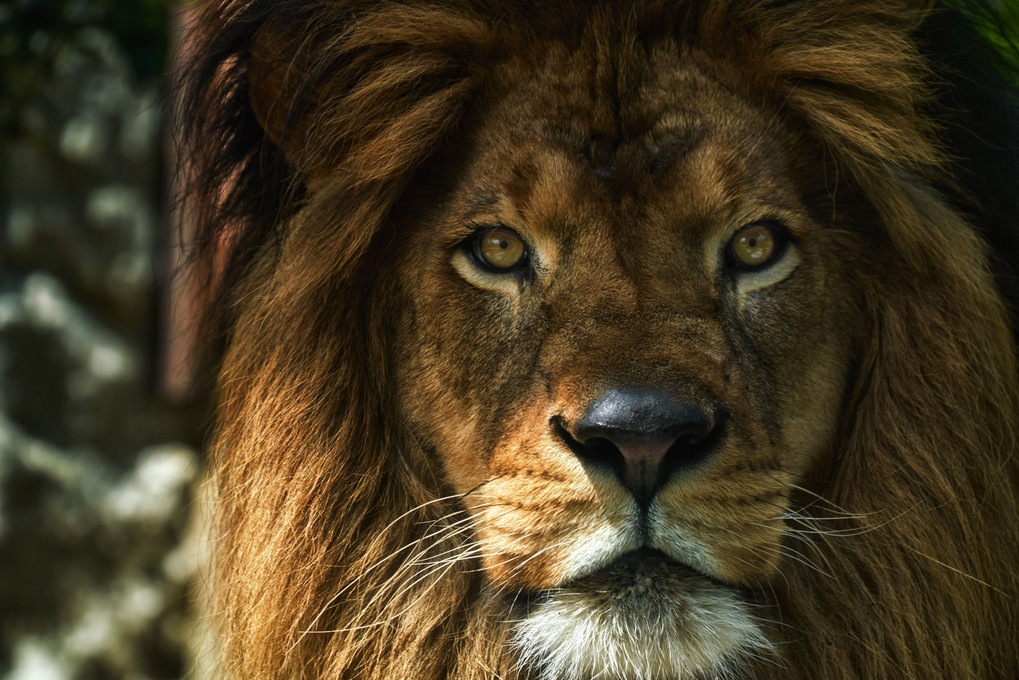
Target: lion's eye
<point>756,246</point>
<point>498,249</point>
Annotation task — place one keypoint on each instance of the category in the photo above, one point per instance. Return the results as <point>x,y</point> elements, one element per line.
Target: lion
<point>629,339</point>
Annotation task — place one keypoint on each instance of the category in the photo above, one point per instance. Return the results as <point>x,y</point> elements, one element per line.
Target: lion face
<point>626,340</point>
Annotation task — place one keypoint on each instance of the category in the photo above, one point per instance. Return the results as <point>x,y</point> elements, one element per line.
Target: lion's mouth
<point>645,558</point>
<point>638,566</point>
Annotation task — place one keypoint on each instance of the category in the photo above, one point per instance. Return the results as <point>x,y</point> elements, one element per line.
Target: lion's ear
<point>273,71</point>
<point>264,84</point>
<point>372,92</point>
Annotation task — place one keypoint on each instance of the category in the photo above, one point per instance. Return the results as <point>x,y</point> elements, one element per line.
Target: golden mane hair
<point>305,123</point>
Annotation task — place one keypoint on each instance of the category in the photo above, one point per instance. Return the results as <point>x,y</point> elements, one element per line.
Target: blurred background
<point>99,435</point>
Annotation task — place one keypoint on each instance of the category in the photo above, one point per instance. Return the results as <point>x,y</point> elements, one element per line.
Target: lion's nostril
<point>594,450</point>
<point>602,451</point>
<point>643,435</point>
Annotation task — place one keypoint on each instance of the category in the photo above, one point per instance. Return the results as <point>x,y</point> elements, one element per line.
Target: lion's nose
<point>644,435</point>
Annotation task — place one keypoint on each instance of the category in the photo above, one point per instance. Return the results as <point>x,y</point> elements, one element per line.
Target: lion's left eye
<point>757,245</point>
<point>498,249</point>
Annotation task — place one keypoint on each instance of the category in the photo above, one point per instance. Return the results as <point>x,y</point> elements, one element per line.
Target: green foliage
<point>998,22</point>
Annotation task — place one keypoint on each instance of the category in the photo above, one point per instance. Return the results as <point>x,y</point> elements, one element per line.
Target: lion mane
<point>345,548</point>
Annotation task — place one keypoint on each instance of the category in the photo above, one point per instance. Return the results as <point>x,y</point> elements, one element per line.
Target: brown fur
<point>388,491</point>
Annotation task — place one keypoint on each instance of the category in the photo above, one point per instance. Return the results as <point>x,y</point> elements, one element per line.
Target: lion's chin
<point>638,619</point>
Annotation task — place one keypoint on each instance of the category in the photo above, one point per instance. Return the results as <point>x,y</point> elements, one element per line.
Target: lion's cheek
<point>728,521</point>
<point>461,457</point>
<point>517,555</point>
<point>513,565</point>
<point>540,520</point>
<point>754,559</point>
<point>807,370</point>
<point>426,403</point>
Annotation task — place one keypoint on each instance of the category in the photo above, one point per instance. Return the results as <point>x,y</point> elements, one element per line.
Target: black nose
<point>644,435</point>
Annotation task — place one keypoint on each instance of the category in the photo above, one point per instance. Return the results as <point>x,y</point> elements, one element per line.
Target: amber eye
<point>756,246</point>
<point>499,249</point>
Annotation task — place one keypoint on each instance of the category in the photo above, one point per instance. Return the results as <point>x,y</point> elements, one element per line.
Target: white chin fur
<point>648,624</point>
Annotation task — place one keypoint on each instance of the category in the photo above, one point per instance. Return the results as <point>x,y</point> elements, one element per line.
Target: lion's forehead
<point>568,122</point>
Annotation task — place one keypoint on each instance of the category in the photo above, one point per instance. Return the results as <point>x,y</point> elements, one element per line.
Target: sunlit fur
<point>347,547</point>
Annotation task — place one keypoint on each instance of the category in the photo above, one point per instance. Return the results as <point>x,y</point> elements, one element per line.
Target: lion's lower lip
<point>644,557</point>
<point>632,577</point>
<point>645,560</point>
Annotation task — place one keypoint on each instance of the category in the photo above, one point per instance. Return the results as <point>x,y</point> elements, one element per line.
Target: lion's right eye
<point>498,250</point>
<point>756,246</point>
